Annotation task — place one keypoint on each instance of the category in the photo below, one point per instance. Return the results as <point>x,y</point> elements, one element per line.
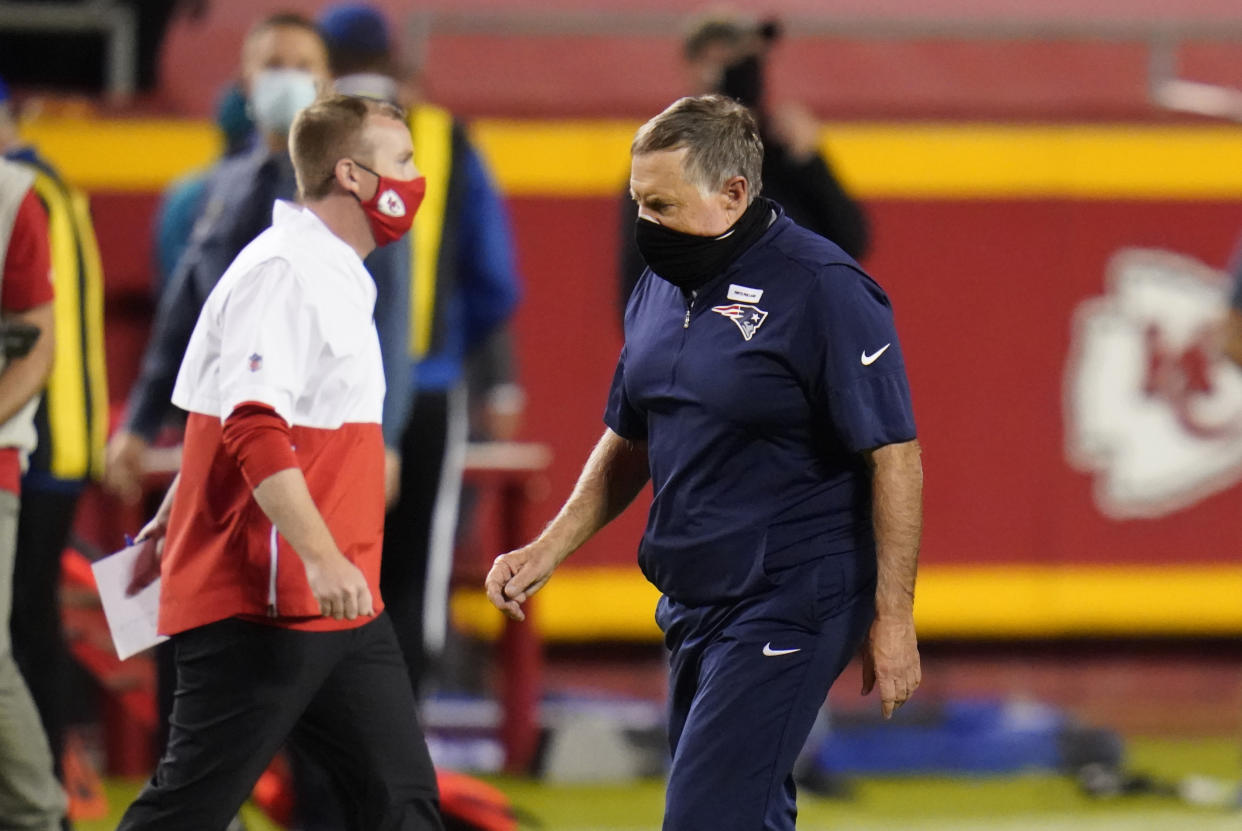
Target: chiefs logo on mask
<point>391,209</point>
<point>390,204</point>
<point>1152,408</point>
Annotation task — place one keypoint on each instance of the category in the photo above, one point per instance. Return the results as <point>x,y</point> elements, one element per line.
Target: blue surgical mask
<point>277,95</point>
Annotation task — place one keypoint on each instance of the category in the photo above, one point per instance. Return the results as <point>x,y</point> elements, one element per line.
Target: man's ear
<point>346,174</point>
<point>737,194</point>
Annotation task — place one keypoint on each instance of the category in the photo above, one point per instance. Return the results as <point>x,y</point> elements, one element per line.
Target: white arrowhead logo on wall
<point>1152,408</point>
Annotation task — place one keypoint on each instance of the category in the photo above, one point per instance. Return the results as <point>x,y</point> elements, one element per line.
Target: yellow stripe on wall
<point>570,158</point>
<point>128,155</point>
<point>1109,161</point>
<point>591,158</point>
<point>953,602</point>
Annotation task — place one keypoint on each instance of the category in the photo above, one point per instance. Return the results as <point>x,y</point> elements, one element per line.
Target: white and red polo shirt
<point>288,328</point>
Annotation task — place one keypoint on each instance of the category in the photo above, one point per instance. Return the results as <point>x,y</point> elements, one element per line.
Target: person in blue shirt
<point>182,201</point>
<point>762,391</point>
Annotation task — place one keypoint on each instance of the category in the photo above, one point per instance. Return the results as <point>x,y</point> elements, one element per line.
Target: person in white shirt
<point>271,534</point>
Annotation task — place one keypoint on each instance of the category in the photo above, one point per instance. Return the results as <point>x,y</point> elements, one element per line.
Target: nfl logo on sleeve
<point>256,362</point>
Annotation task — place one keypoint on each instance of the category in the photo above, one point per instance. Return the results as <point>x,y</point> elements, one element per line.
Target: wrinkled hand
<point>340,588</point>
<point>147,564</point>
<point>392,477</point>
<point>890,656</point>
<point>124,467</point>
<point>516,576</point>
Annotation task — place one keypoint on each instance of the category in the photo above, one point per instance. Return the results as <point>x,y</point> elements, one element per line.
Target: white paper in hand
<point>132,620</point>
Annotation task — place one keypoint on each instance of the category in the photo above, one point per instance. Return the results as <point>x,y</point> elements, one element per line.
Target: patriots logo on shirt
<point>391,204</point>
<point>256,362</point>
<point>748,318</point>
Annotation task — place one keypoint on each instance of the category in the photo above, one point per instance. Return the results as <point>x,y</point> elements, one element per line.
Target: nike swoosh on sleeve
<point>770,652</point>
<point>868,360</point>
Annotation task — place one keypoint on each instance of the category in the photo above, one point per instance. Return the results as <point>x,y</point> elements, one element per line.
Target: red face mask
<point>391,209</point>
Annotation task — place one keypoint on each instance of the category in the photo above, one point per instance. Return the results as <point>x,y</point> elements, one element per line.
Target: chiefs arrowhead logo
<point>391,204</point>
<point>1152,408</point>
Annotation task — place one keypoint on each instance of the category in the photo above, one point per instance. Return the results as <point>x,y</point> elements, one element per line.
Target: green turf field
<point>1026,803</point>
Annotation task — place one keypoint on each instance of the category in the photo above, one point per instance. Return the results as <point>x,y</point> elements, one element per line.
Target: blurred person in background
<point>497,400</point>
<point>787,482</point>
<point>727,54</point>
<point>463,288</point>
<point>284,65</point>
<point>183,200</point>
<point>273,527</point>
<point>30,797</point>
<point>71,418</point>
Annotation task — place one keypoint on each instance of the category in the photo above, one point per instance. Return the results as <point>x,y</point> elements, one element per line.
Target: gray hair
<point>720,136</point>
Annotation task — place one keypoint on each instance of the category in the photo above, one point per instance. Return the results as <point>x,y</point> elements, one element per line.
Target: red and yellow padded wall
<point>989,238</point>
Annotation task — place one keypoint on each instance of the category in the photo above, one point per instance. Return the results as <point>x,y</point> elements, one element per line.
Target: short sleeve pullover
<point>756,395</point>
<point>852,361</point>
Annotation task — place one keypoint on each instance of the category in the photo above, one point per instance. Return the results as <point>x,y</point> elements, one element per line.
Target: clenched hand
<point>340,588</point>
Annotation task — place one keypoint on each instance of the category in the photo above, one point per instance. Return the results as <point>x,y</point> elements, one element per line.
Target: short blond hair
<point>327,131</point>
<point>720,136</point>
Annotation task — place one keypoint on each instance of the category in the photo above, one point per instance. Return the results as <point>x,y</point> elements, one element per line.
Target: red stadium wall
<point>845,59</point>
<point>985,293</point>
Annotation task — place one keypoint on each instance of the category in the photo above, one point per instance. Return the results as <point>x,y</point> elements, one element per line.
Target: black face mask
<point>689,261</point>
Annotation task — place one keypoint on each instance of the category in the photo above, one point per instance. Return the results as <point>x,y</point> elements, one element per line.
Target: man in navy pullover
<point>762,391</point>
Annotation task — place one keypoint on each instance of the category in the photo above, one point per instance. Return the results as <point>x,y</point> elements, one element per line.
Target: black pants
<point>38,639</point>
<point>408,553</point>
<point>341,697</point>
<point>415,549</point>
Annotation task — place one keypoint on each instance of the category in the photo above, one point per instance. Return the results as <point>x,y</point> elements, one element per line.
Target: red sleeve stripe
<point>259,440</point>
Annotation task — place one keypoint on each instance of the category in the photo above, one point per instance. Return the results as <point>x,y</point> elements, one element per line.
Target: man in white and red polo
<point>273,530</point>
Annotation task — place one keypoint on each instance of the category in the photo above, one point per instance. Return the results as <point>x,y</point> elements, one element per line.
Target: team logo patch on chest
<point>748,318</point>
